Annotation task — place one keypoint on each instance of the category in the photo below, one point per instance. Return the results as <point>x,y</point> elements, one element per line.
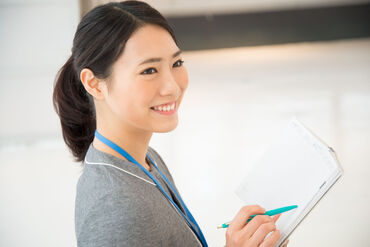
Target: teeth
<point>165,108</point>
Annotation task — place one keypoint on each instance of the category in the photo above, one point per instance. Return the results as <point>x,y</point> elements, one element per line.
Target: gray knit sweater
<point>124,207</point>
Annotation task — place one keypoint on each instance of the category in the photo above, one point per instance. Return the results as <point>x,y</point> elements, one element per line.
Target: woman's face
<point>138,84</point>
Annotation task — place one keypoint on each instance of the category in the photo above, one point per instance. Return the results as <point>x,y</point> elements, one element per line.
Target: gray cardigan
<point>117,204</point>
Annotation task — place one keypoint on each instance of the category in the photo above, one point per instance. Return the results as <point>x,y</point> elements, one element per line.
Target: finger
<point>254,224</point>
<point>276,217</point>
<point>261,233</point>
<point>285,243</point>
<point>272,239</point>
<point>240,220</point>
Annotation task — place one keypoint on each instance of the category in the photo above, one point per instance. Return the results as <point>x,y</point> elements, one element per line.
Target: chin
<point>165,129</point>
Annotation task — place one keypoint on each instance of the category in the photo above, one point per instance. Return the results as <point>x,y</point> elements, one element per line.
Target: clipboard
<point>298,168</point>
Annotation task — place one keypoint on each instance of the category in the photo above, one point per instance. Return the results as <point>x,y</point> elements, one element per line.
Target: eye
<point>148,71</point>
<point>179,62</point>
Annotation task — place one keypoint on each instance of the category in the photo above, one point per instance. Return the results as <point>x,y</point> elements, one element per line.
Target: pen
<point>270,213</point>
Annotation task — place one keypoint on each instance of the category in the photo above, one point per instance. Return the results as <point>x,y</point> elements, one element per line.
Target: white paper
<point>290,172</point>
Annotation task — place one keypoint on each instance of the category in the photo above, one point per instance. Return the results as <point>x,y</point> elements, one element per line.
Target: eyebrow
<point>158,59</point>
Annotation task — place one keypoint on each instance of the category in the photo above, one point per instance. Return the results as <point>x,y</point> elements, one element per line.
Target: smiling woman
<point>125,80</point>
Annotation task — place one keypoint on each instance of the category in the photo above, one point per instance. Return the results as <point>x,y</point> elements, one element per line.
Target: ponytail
<point>75,109</point>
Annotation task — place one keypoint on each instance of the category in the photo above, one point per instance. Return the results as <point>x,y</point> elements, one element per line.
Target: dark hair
<point>99,40</point>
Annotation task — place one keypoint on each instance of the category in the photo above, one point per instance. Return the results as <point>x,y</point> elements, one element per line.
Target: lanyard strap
<point>131,159</point>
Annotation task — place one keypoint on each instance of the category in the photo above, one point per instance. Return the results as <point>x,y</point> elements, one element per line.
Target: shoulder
<point>109,181</point>
<point>102,187</point>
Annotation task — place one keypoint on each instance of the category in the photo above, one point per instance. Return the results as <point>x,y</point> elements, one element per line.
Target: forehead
<point>146,42</point>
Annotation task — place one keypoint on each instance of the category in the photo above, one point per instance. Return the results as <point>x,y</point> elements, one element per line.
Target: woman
<point>125,80</point>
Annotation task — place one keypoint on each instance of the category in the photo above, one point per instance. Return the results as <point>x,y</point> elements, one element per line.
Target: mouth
<point>165,109</point>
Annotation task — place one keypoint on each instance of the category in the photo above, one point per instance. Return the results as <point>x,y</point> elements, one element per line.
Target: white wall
<point>37,178</point>
<point>36,38</point>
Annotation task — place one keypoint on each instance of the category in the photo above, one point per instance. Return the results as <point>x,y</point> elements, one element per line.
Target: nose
<point>169,86</point>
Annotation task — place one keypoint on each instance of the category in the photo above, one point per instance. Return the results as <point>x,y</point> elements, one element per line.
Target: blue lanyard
<point>129,157</point>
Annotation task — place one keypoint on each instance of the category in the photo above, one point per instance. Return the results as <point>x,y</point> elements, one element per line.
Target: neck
<point>133,141</point>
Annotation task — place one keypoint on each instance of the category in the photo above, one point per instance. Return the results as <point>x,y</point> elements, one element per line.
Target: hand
<point>285,244</point>
<point>254,233</point>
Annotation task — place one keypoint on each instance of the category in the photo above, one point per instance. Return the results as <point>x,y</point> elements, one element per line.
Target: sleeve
<point>115,220</point>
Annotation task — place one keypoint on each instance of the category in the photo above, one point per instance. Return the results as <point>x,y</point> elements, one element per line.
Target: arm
<point>118,221</point>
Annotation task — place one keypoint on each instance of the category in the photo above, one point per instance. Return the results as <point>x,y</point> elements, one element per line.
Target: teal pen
<point>270,213</point>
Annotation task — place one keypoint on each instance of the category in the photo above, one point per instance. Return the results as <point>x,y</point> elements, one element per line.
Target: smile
<point>166,109</point>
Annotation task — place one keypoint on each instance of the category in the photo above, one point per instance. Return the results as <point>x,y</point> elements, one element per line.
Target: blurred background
<point>252,66</point>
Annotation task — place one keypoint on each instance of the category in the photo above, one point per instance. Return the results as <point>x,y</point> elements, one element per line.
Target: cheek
<point>121,100</point>
<point>122,104</point>
<point>183,79</point>
<point>142,95</point>
<point>129,107</point>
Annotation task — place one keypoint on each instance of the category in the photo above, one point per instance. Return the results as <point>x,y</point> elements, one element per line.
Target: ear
<point>93,85</point>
